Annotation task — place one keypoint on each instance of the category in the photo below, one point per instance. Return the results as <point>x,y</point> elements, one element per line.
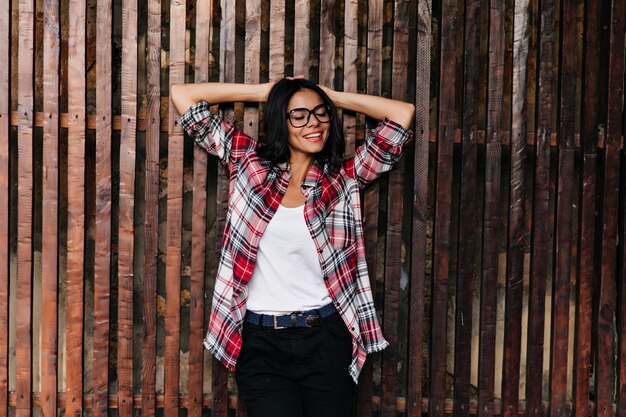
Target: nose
<point>313,120</point>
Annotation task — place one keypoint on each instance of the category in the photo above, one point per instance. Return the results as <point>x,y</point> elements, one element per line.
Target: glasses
<point>300,117</point>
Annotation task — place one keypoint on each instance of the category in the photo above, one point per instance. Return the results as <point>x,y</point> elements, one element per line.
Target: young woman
<point>292,312</point>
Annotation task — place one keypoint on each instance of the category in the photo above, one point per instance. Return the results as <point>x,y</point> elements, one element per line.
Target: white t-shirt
<point>287,276</point>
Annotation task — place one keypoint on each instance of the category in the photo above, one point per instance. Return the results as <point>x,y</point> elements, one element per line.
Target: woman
<point>292,311</point>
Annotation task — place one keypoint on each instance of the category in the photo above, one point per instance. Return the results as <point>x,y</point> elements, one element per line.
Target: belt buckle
<point>276,326</point>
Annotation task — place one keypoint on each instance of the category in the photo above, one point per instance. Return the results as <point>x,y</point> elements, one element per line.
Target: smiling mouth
<point>313,137</point>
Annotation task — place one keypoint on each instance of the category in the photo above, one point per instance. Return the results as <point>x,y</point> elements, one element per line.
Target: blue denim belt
<point>310,318</point>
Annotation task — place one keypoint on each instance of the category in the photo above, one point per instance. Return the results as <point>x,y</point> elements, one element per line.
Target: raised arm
<point>374,107</point>
<point>186,95</point>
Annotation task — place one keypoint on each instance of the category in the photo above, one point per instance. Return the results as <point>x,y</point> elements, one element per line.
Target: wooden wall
<point>496,246</point>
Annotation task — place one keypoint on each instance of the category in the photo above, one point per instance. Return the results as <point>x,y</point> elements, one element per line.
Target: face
<point>310,138</point>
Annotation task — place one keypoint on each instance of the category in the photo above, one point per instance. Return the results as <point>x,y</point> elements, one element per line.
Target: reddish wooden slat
<point>491,215</point>
<point>50,210</point>
<point>468,232</point>
<point>516,220</point>
<point>327,44</point>
<point>198,238</point>
<point>301,38</point>
<point>76,207</point>
<point>153,78</point>
<point>540,231</point>
<point>126,210</point>
<point>587,273</point>
<point>23,297</point>
<point>441,243</point>
<point>174,214</point>
<point>277,40</point>
<point>350,52</point>
<point>5,39</point>
<point>420,200</point>
<point>371,197</point>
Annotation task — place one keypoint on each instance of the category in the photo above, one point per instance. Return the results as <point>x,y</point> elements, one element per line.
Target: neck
<point>300,166</point>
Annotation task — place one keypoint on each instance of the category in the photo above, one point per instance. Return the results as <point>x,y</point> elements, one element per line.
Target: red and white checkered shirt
<point>332,213</point>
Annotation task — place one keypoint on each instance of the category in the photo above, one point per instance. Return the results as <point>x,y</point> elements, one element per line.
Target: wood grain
<point>301,38</point>
<point>50,210</point>
<point>174,214</point>
<point>277,40</point>
<point>23,296</point>
<point>126,210</point>
<point>327,44</point>
<point>350,52</point>
<point>151,215</point>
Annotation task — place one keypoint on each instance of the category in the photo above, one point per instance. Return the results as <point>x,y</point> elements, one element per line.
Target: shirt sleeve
<point>212,133</point>
<point>381,150</point>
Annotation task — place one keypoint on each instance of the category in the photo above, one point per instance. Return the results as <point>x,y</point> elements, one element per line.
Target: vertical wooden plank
<point>23,317</point>
<point>468,232</point>
<point>606,367</point>
<point>153,131</point>
<point>540,231</point>
<point>76,207</point>
<point>517,225</point>
<point>327,43</point>
<point>371,197</point>
<point>50,209</point>
<point>301,38</point>
<point>589,140</point>
<point>491,216</point>
<point>350,51</point>
<point>420,204</point>
<point>5,107</point>
<point>441,243</point>
<point>198,238</point>
<point>126,210</point>
<point>561,290</point>
<point>174,214</point>
<point>277,40</point>
<point>102,262</point>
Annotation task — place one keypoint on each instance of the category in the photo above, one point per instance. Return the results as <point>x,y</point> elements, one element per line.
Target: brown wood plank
<point>76,207</point>
<point>174,215</point>
<point>420,206</point>
<point>350,52</point>
<point>395,209</point>
<point>151,216</point>
<point>441,240</point>
<point>23,297</point>
<point>468,232</point>
<point>587,272</point>
<point>371,197</point>
<point>126,210</point>
<point>277,40</point>
<point>198,237</point>
<point>516,220</point>
<point>5,111</point>
<point>327,44</point>
<point>491,215</point>
<point>50,210</point>
<point>301,38</point>
<point>540,224</point>
<point>607,315</point>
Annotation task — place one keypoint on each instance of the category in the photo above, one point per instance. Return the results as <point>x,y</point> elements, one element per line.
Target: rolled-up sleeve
<point>382,149</point>
<point>212,133</point>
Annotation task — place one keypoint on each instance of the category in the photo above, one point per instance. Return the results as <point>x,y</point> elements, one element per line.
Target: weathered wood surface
<point>174,214</point>
<point>50,211</point>
<point>301,36</point>
<point>5,108</point>
<point>350,70</point>
<point>277,40</point>
<point>491,214</point>
<point>441,238</point>
<point>126,210</point>
<point>151,215</point>
<point>23,296</point>
<point>540,214</point>
<point>327,44</point>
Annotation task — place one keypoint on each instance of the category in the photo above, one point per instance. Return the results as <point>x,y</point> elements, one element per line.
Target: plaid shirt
<point>332,213</point>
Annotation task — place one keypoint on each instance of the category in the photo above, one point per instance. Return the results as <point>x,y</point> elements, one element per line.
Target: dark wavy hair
<point>274,146</point>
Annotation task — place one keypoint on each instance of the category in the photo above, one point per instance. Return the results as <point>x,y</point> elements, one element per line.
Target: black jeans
<point>300,372</point>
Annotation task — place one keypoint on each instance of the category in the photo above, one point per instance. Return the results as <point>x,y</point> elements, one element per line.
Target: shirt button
<point>325,277</point>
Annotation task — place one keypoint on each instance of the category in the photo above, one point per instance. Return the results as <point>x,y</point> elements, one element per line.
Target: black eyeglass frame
<point>311,112</point>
